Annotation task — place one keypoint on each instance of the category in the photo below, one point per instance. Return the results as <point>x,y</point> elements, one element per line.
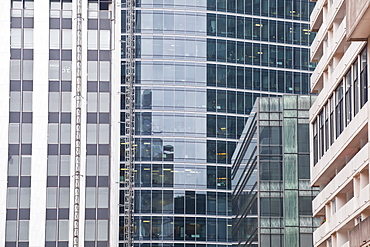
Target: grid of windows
<point>20,124</point>
<point>98,127</point>
<point>272,194</point>
<point>297,10</point>
<point>199,68</point>
<point>236,26</point>
<point>59,125</point>
<point>337,113</point>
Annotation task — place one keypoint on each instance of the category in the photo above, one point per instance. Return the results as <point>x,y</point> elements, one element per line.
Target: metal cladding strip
<point>76,208</point>
<point>129,124</point>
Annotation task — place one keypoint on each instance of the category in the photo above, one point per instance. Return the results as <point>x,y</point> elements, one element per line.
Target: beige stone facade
<point>340,122</point>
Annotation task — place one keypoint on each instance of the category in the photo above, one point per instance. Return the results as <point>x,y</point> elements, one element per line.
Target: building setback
<point>200,66</point>
<point>339,122</point>
<point>37,119</point>
<point>271,176</point>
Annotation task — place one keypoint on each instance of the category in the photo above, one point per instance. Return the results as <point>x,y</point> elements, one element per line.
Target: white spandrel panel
<point>4,111</point>
<point>40,124</point>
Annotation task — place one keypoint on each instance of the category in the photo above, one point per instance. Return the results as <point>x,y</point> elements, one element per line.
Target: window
<point>339,114</point>
<point>363,77</point>
<point>331,104</point>
<point>315,142</point>
<point>348,97</point>
<point>321,133</point>
<point>355,88</point>
<point>326,130</point>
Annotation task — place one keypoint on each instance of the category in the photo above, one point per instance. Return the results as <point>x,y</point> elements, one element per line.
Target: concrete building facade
<point>340,122</point>
<point>37,119</point>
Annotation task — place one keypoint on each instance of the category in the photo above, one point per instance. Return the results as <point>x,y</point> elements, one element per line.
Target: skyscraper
<point>200,65</point>
<point>271,176</point>
<point>39,146</point>
<point>340,123</point>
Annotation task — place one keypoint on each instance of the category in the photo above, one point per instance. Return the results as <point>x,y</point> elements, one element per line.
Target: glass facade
<point>271,176</point>
<point>199,67</point>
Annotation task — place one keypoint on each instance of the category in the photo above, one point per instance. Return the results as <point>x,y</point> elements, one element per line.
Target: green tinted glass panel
<point>290,171</point>
<point>291,208</point>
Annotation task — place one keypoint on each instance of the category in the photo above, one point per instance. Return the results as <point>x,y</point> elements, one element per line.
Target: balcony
<point>341,180</point>
<point>336,45</point>
<point>360,234</point>
<point>358,19</point>
<point>346,145</point>
<point>343,219</point>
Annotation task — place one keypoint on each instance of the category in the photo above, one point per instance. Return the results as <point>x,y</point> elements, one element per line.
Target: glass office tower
<point>272,197</point>
<point>200,66</point>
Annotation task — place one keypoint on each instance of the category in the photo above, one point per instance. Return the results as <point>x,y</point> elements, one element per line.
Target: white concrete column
<point>40,124</point>
<point>115,126</point>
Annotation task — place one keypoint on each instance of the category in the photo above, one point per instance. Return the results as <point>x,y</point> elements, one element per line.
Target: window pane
<point>54,70</point>
<point>92,70</point>
<point>103,199</point>
<point>15,70</point>
<point>105,39</point>
<point>63,230</point>
<point>11,230</point>
<point>26,166</point>
<point>13,133</point>
<point>13,165</point>
<point>26,133</point>
<point>23,230</point>
<point>102,230</point>
<point>92,102</point>
<point>63,197</point>
<point>91,133</point>
<point>104,102</point>
<point>54,39</point>
<point>66,70</point>
<point>51,197</point>
<point>27,101</point>
<point>92,39</point>
<point>12,198</point>
<point>53,133</point>
<point>103,165</point>
<point>65,134</point>
<point>90,198</point>
<point>104,133</point>
<point>91,165</point>
<point>54,102</point>
<point>28,38</point>
<point>105,71</point>
<point>52,165</point>
<point>67,39</point>
<point>64,164</point>
<point>51,227</point>
<point>16,38</point>
<point>89,230</point>
<point>66,101</point>
<point>24,198</point>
